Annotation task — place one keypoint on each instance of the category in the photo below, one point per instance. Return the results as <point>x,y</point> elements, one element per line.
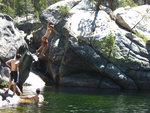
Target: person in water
<point>14,75</point>
<point>37,98</point>
<point>44,40</point>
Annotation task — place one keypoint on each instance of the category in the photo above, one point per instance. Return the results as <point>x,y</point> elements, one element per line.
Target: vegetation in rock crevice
<point>64,10</point>
<point>109,44</point>
<point>141,36</point>
<point>106,46</point>
<point>3,83</point>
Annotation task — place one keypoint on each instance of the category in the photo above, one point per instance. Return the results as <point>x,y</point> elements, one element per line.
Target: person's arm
<point>48,25</point>
<point>8,63</point>
<point>28,97</point>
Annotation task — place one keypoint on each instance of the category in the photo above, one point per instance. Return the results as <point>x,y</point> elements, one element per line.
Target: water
<point>86,100</point>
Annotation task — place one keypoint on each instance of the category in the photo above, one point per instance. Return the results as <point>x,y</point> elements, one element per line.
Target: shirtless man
<point>13,65</point>
<point>38,98</point>
<point>44,43</point>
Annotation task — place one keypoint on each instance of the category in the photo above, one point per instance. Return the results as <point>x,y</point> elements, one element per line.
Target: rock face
<point>8,98</point>
<point>24,68</point>
<point>12,42</point>
<point>89,47</point>
<point>10,38</point>
<point>124,17</point>
<point>28,27</point>
<point>81,54</point>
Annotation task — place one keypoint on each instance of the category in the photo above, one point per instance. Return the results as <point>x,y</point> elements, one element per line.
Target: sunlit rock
<point>10,38</point>
<point>129,17</point>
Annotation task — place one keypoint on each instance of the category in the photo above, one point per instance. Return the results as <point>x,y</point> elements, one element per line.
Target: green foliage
<point>109,43</point>
<point>141,36</point>
<point>119,3</point>
<point>123,3</point>
<point>19,7</point>
<point>106,46</point>
<point>52,1</point>
<point>126,59</point>
<point>33,31</point>
<point>37,4</point>
<point>93,0</point>
<point>102,1</point>
<point>3,83</point>
<point>30,7</point>
<point>64,10</point>
<point>40,5</point>
<point>11,12</point>
<point>20,23</point>
<point>6,9</point>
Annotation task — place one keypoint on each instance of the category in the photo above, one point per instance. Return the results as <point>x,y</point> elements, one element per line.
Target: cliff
<point>96,48</point>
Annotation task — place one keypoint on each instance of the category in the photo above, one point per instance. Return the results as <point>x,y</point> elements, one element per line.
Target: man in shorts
<point>44,41</point>
<point>14,75</point>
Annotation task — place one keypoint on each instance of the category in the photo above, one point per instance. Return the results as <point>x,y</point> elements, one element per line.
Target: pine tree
<point>19,7</point>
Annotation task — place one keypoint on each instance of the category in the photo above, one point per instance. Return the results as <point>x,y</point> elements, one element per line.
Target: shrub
<point>109,43</point>
<point>64,10</point>
<point>3,83</point>
<point>106,46</point>
<point>7,10</point>
<point>124,3</point>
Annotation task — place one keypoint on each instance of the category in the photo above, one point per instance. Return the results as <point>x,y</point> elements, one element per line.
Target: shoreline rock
<point>80,47</point>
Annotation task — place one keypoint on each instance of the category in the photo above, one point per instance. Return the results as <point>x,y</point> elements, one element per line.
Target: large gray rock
<point>119,77</point>
<point>78,46</point>
<point>51,14</point>
<point>11,42</point>
<point>24,68</point>
<point>4,74</point>
<point>80,79</point>
<point>129,17</point>
<point>10,38</point>
<point>8,98</point>
<point>141,78</point>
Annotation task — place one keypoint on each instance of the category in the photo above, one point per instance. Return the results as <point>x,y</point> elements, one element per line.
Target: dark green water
<point>86,100</point>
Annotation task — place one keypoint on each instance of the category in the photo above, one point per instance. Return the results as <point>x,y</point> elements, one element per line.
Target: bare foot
<point>43,54</point>
<point>37,52</point>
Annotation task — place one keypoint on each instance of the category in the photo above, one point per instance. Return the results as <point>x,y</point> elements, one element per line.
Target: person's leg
<point>14,88</point>
<point>41,47</point>
<point>10,81</point>
<point>44,48</point>
<point>16,79</point>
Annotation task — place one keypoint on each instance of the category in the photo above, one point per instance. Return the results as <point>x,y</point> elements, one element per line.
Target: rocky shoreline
<point>79,52</point>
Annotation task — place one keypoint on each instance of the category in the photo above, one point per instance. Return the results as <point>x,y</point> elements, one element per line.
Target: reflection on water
<point>86,100</point>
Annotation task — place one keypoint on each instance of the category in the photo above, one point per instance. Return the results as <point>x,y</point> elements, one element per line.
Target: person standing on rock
<point>44,40</point>
<point>14,75</point>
